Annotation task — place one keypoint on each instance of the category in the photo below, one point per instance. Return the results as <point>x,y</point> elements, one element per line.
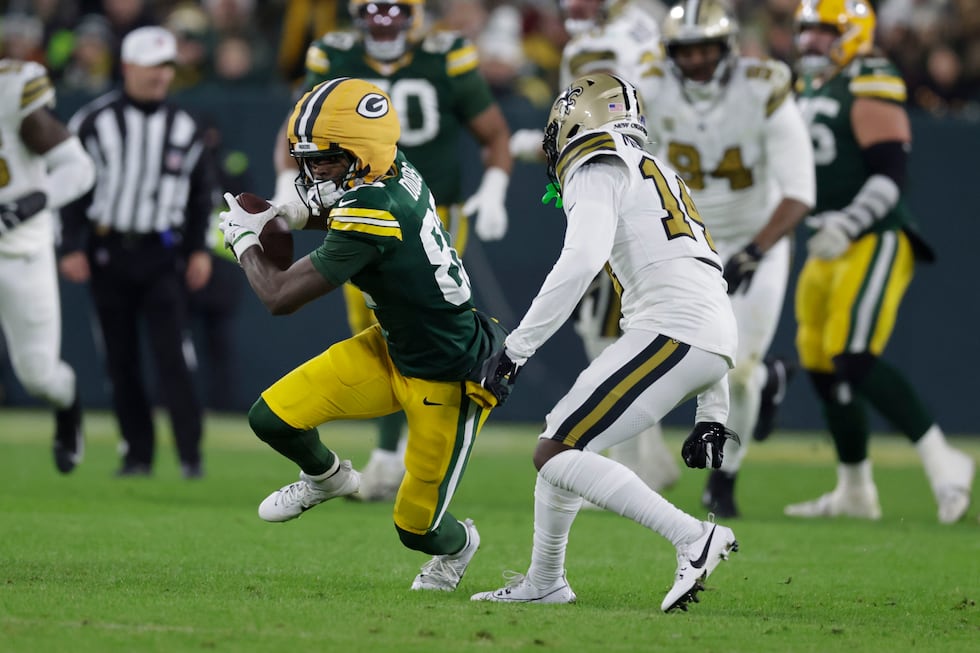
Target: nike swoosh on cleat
<point>697,564</point>
<point>426,402</point>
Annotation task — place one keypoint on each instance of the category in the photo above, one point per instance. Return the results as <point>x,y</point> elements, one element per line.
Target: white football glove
<point>296,214</point>
<point>286,187</point>
<point>835,231</point>
<point>488,205</point>
<point>241,228</point>
<point>525,145</point>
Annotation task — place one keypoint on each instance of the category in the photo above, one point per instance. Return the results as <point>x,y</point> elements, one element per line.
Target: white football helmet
<point>600,101</point>
<point>701,22</point>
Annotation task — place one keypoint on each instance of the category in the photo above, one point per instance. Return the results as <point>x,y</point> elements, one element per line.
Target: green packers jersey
<point>386,239</point>
<point>841,171</point>
<point>435,87</point>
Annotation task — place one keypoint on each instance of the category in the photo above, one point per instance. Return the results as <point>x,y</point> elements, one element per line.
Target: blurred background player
<point>436,87</point>
<point>42,167</point>
<point>730,127</point>
<point>862,255</point>
<point>617,37</point>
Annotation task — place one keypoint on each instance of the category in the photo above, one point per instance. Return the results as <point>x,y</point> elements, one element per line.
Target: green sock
<point>390,430</point>
<point>448,539</point>
<point>302,447</point>
<point>893,396</point>
<point>848,425</point>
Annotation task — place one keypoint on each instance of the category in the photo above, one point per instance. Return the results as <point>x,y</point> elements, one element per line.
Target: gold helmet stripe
<point>305,115</point>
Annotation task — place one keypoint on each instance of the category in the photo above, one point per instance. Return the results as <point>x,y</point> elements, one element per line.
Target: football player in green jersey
<point>861,258</point>
<point>424,356</point>
<point>436,87</point>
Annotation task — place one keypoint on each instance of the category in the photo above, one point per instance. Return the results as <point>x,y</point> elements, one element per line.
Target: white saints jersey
<point>24,88</point>
<point>720,147</point>
<point>627,44</point>
<point>626,207</point>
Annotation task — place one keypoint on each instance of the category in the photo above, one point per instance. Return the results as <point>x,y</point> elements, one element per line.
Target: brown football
<point>276,238</point>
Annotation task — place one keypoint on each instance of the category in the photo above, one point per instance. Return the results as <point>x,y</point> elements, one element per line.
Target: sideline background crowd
<point>936,43</point>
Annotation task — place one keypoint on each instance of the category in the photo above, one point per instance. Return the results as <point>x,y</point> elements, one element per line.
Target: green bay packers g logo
<point>373,105</point>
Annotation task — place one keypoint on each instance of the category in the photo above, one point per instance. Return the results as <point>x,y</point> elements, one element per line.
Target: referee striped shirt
<point>152,173</point>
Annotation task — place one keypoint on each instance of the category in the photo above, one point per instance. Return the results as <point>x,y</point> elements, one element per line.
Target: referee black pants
<point>137,281</point>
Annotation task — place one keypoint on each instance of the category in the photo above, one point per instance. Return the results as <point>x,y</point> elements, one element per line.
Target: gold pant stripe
<point>867,304</point>
<point>617,393</point>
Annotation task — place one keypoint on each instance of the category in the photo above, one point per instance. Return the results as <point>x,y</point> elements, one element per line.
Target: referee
<point>138,236</point>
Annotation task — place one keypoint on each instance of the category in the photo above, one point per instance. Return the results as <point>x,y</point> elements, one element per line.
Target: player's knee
<point>37,374</point>
<point>854,367</point>
<point>266,424</point>
<point>546,450</point>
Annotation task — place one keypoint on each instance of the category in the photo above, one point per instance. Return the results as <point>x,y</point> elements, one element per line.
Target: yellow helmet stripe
<point>301,124</point>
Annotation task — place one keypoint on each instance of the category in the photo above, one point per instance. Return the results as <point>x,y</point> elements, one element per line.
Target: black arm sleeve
<point>75,225</point>
<point>888,158</point>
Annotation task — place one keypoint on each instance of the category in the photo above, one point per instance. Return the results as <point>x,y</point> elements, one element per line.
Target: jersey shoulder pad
<point>585,148</point>
<point>367,211</point>
<point>326,49</point>
<point>877,77</point>
<point>460,53</point>
<point>26,88</point>
<point>771,79</point>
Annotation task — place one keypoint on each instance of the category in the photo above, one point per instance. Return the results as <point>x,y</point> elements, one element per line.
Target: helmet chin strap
<point>814,65</point>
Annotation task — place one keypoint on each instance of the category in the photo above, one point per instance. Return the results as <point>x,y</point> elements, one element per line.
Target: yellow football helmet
<point>343,117</point>
<point>600,101</point>
<point>388,26</point>
<point>697,22</point>
<point>854,20</point>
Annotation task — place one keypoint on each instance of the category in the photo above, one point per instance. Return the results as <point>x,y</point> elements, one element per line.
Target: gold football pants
<point>849,304</point>
<point>359,316</point>
<point>356,379</point>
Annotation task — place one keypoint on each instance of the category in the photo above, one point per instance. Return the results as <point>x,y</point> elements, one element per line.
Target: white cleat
<point>296,498</point>
<point>381,477</point>
<point>444,572</point>
<point>860,502</point>
<point>520,590</point>
<point>952,486</point>
<point>695,562</point>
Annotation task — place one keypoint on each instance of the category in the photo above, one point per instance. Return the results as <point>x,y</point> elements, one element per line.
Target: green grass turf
<point>93,563</point>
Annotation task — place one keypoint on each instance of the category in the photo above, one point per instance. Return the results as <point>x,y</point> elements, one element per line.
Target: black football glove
<point>498,375</point>
<point>741,267</point>
<point>707,441</point>
<point>22,208</point>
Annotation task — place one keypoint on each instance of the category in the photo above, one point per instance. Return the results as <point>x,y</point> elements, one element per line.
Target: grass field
<point>93,563</point>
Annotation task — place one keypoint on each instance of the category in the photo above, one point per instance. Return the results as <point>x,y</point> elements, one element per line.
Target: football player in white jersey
<point>730,127</point>
<point>630,213</point>
<point>619,37</point>
<point>42,167</point>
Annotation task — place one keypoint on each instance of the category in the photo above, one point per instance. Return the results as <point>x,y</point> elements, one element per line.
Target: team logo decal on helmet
<point>373,105</point>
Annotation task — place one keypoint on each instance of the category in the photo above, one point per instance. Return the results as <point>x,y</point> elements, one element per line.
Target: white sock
<point>554,511</point>
<point>615,487</point>
<point>320,478</point>
<point>388,457</point>
<point>933,443</point>
<point>854,475</point>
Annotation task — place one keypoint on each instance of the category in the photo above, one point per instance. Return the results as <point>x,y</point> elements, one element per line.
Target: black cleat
<point>69,444</point>
<point>131,470</point>
<point>780,372</point>
<point>719,495</point>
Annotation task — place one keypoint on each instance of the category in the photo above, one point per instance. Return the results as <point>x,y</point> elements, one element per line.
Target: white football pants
<point>30,316</point>
<point>757,314</point>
